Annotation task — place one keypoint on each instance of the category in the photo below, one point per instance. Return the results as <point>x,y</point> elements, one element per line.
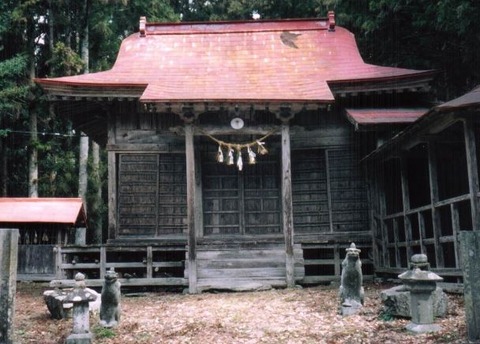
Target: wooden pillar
<point>192,237</point>
<point>287,212</point>
<point>8,280</point>
<point>470,251</point>
<point>433,179</point>
<point>406,206</point>
<point>112,180</point>
<point>471,153</point>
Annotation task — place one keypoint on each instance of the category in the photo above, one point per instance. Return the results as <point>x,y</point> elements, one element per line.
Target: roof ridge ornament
<point>142,26</point>
<point>331,20</point>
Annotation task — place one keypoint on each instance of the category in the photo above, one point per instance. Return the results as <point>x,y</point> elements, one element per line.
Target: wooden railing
<point>145,265</point>
<point>431,229</point>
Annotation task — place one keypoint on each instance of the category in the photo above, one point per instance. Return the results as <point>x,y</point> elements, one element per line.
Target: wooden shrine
<point>234,151</point>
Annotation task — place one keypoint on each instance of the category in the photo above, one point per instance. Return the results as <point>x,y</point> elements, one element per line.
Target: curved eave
<point>408,82</point>
<point>57,89</point>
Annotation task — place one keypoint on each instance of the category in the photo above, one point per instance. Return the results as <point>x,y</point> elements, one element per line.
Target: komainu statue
<point>351,288</point>
<point>110,307</point>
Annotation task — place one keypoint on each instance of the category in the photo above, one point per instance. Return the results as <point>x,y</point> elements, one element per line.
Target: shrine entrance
<point>241,203</point>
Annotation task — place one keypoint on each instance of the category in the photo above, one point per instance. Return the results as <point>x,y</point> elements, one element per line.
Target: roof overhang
<point>369,119</point>
<point>434,121</point>
<point>43,210</point>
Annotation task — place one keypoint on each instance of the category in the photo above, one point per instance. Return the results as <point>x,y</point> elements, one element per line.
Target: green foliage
<point>101,332</point>
<point>386,314</point>
<point>13,88</point>
<point>65,61</point>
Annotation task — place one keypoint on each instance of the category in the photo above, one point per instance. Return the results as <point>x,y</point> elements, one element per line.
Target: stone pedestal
<point>396,301</point>
<point>80,298</point>
<point>8,280</point>
<point>421,285</point>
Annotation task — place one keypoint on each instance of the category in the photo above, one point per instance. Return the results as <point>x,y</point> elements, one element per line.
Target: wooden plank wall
<point>245,266</point>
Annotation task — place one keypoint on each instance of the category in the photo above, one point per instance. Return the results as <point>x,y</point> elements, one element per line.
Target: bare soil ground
<point>306,315</point>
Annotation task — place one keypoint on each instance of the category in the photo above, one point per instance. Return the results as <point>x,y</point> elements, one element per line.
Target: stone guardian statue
<point>110,307</point>
<point>351,289</point>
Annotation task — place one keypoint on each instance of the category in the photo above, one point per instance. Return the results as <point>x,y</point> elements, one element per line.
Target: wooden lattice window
<point>151,194</point>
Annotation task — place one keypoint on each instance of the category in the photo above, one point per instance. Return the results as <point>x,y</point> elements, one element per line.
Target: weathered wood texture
<point>425,206</point>
<point>135,264</point>
<point>151,195</point>
<point>36,260</point>
<point>191,196</point>
<point>287,205</point>
<point>329,192</point>
<point>470,251</point>
<point>240,203</point>
<point>323,260</point>
<point>245,266</point>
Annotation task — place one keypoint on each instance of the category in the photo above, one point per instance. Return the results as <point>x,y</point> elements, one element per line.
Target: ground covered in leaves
<point>307,315</point>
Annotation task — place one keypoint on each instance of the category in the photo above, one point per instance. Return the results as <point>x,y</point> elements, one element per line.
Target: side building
<point>425,189</point>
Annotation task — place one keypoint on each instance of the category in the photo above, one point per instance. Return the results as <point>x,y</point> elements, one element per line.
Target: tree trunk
<point>33,156</point>
<point>85,48</point>
<point>3,169</point>
<point>83,159</point>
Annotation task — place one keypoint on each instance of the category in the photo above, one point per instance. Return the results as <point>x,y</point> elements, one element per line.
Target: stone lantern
<point>421,284</point>
<point>80,297</point>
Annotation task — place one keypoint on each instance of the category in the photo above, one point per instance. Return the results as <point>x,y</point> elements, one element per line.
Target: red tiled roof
<point>42,210</point>
<point>384,116</point>
<point>282,60</point>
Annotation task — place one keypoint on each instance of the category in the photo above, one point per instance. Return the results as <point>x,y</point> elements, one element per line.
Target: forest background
<point>41,155</point>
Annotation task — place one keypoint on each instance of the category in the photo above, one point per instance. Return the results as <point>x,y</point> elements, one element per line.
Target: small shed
<point>43,223</point>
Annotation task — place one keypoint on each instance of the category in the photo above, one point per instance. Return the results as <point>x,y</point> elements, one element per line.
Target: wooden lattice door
<point>241,203</point>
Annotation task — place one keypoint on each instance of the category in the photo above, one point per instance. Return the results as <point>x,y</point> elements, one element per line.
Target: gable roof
<point>301,61</point>
<point>43,210</point>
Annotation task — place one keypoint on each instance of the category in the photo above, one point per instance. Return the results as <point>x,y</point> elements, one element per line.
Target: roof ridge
<point>159,28</point>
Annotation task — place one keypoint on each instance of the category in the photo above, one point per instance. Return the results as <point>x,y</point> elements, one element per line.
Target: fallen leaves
<point>275,316</point>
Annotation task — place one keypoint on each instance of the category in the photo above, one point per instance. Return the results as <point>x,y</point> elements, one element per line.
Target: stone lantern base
<point>423,328</point>
<point>79,338</point>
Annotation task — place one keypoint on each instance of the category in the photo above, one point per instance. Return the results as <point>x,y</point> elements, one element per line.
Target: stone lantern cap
<point>417,275</point>
<point>419,261</point>
<point>80,293</point>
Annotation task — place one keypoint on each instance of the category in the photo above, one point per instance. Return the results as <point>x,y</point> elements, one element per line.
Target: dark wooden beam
<point>472,169</point>
<point>434,197</point>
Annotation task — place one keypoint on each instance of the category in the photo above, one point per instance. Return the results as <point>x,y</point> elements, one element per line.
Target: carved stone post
<point>8,280</point>
<point>470,250</point>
